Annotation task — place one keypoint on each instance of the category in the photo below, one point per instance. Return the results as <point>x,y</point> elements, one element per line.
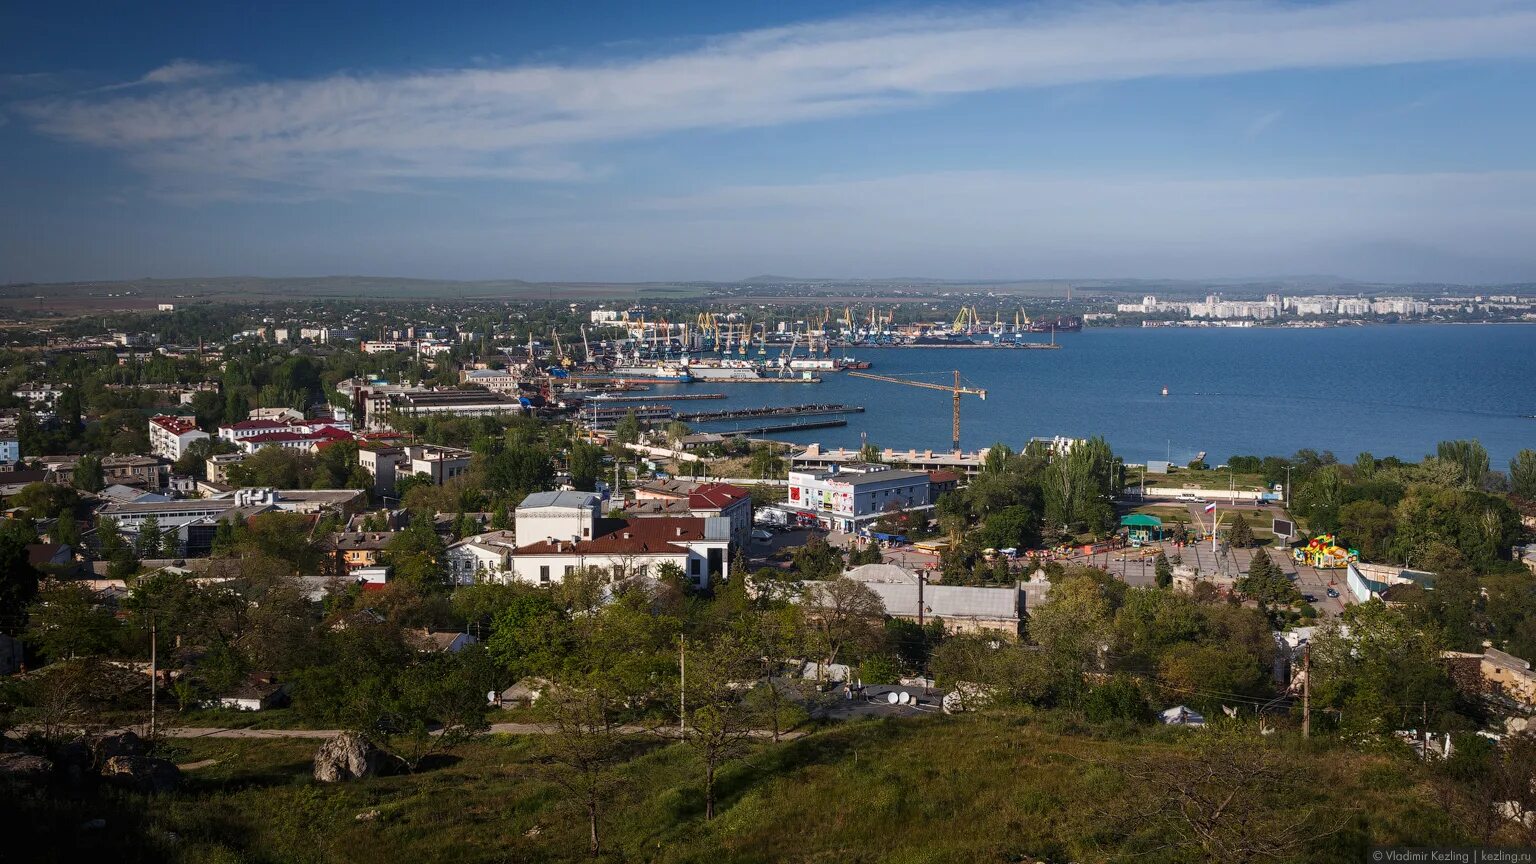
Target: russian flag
<point>1211,507</point>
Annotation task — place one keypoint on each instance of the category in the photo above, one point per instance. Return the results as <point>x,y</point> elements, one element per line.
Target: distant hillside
<point>251,288</point>
<point>95,296</point>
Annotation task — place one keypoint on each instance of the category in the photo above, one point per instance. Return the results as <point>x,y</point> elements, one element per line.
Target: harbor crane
<point>957,390</point>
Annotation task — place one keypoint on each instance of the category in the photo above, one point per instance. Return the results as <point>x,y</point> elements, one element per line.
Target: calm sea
<point>1389,390</point>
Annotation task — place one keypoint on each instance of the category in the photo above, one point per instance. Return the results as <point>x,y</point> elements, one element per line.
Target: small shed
<point>260,692</point>
<point>1142,526</point>
<point>522,694</point>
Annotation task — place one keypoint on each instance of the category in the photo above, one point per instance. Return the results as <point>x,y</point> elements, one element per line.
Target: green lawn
<point>1000,787</point>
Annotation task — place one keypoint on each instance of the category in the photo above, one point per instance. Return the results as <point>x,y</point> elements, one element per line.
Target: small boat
<point>1165,390</point>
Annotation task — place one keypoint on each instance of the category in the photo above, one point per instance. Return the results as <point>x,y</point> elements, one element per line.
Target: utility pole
<point>682,690</point>
<point>154,675</point>
<point>1287,490</point>
<point>1424,733</point>
<point>1306,690</point>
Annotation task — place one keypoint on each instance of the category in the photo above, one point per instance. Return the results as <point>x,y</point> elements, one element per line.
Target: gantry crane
<point>957,390</point>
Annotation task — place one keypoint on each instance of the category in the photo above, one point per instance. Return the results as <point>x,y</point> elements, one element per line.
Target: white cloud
<point>175,73</point>
<point>184,71</point>
<point>351,131</point>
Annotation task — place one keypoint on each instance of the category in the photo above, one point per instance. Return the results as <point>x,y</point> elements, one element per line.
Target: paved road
<point>496,729</point>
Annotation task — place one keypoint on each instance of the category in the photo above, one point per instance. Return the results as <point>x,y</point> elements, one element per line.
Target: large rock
<point>25,769</point>
<point>126,744</point>
<point>143,773</point>
<point>347,756</point>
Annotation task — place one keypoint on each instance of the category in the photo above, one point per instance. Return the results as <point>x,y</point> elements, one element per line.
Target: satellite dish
<point>892,698</point>
<point>490,695</point>
<point>905,697</point>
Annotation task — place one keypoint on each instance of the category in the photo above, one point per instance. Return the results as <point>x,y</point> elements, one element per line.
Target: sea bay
<point>1392,390</point>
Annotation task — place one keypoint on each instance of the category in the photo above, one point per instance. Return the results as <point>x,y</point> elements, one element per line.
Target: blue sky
<point>1372,139</point>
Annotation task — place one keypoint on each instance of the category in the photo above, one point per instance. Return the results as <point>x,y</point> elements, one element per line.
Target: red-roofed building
<point>237,432</point>
<point>665,498</point>
<point>294,437</point>
<point>171,436</point>
<point>731,502</point>
<point>630,548</point>
<point>942,481</point>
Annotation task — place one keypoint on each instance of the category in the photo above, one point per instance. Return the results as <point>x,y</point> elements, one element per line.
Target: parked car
<point>1310,598</point>
<point>1191,498</point>
<point>1333,592</point>
<point>762,536</point>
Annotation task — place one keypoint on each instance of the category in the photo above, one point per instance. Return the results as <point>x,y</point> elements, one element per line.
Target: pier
<point>653,397</point>
<point>641,412</point>
<point>782,427</point>
<point>770,411</point>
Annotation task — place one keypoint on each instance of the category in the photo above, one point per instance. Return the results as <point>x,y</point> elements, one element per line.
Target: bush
<point>1118,700</point>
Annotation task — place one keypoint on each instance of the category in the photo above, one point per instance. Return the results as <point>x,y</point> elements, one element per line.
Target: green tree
<point>1118,700</point>
<point>1162,570</point>
<point>627,430</point>
<point>1078,488</point>
<point>88,476</point>
<point>66,530</point>
<point>147,543</point>
<point>1265,583</point>
<point>1073,627</point>
<point>436,704</point>
<point>416,554</point>
<point>818,560</point>
<point>584,743</point>
<point>1379,669</point>
<point>586,465</point>
<point>1016,526</point>
<point>68,621</point>
<point>1367,525</point>
<point>845,618</point>
<point>764,463</point>
<point>1522,475</point>
<point>1470,459</point>
<point>1240,535</point>
<point>718,719</point>
<point>18,583</point>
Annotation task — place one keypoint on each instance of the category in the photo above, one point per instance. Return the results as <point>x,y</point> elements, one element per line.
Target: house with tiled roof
<point>480,558</point>
<point>560,533</point>
<point>682,498</point>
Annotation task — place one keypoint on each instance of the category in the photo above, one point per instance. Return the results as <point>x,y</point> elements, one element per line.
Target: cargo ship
<point>724,370</point>
<point>652,372</point>
<point>1063,324</point>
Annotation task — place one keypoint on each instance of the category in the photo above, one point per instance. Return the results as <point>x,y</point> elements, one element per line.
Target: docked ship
<point>812,364</point>
<point>724,370</point>
<point>1063,324</point>
<point>652,372</point>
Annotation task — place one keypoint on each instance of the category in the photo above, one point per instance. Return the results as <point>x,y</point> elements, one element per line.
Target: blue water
<point>1389,390</point>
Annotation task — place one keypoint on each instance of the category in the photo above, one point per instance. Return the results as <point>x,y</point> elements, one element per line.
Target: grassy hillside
<point>981,788</point>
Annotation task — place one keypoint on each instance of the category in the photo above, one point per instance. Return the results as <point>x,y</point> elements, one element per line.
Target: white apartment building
<point>389,464</point>
<point>171,436</point>
<point>847,497</point>
<point>560,533</point>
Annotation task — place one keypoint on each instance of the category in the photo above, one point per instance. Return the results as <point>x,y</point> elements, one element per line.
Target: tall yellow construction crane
<point>957,390</point>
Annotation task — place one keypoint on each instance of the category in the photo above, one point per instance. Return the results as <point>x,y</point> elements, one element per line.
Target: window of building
<point>544,574</point>
<point>569,569</point>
